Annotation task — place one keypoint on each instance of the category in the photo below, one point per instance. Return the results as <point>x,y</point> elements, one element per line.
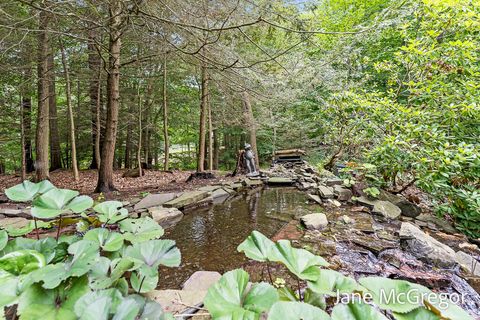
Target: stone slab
<point>153,200</point>
<point>315,221</point>
<point>384,208</point>
<point>186,199</point>
<point>201,280</point>
<point>16,222</point>
<point>469,263</point>
<point>280,180</point>
<point>176,301</point>
<point>325,192</point>
<point>314,198</point>
<point>165,217</point>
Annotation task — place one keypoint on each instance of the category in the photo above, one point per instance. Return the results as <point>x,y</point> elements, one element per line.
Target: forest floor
<point>151,181</point>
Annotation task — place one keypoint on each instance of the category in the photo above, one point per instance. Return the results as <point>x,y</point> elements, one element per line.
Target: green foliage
<point>227,298</point>
<point>230,299</point>
<point>372,192</point>
<point>87,277</point>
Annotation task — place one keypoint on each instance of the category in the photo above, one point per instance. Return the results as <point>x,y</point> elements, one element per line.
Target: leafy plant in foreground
<point>229,299</point>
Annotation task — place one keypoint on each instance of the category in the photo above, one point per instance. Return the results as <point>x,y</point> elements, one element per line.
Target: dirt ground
<point>152,181</point>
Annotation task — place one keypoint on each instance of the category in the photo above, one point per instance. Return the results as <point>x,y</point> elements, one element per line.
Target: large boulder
<point>343,194</point>
<point>201,280</point>
<point>315,221</point>
<point>408,209</point>
<point>325,192</point>
<point>384,208</point>
<point>166,217</point>
<point>468,262</point>
<point>177,301</point>
<point>155,199</point>
<point>186,199</point>
<point>425,247</point>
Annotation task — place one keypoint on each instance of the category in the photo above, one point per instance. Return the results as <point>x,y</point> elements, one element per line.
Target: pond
<point>208,237</point>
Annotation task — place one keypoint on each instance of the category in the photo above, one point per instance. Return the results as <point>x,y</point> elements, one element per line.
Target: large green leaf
<point>136,307</point>
<point>283,310</point>
<point>417,314</point>
<point>97,305</point>
<point>300,262</point>
<point>58,201</point>
<point>27,190</point>
<point>153,253</point>
<point>85,254</point>
<point>3,239</point>
<point>52,304</point>
<point>110,211</point>
<point>356,311</point>
<point>395,295</point>
<point>442,305</point>
<point>22,261</point>
<point>144,279</point>
<point>229,299</point>
<point>331,282</point>
<point>104,273</point>
<point>16,232</point>
<point>256,246</point>
<point>108,241</point>
<point>140,230</point>
<point>9,289</point>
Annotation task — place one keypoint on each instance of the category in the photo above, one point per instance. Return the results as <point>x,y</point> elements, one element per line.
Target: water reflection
<point>208,237</point>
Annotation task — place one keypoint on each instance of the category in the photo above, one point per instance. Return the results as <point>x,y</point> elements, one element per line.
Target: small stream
<point>208,237</point>
<point>365,246</point>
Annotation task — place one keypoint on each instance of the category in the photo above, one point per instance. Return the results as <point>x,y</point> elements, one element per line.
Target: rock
<point>10,212</point>
<point>252,183</point>
<point>236,186</point>
<point>16,223</point>
<point>468,262</point>
<point>186,199</point>
<point>165,217</point>
<point>314,198</point>
<point>426,248</point>
<point>326,174</point>
<point>220,193</point>
<point>209,188</point>
<point>279,180</point>
<point>334,202</point>
<point>384,208</point>
<point>343,194</point>
<point>152,200</point>
<point>409,209</point>
<point>325,192</point>
<point>177,301</point>
<point>201,280</point>
<point>441,223</point>
<point>346,219</point>
<point>333,182</point>
<point>315,221</point>
<point>370,243</point>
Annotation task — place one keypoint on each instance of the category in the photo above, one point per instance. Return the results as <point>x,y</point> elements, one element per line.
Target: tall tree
<point>105,173</point>
<point>68,93</point>
<point>166,143</point>
<point>203,114</point>
<point>95,66</point>
<point>42,136</point>
<point>55,151</point>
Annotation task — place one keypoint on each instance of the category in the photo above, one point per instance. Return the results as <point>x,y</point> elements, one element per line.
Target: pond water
<point>208,237</point>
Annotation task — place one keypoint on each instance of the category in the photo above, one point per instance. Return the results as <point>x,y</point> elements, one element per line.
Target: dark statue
<point>250,161</point>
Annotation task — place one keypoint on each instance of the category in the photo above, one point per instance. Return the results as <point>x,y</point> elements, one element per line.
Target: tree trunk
<point>105,174</point>
<point>216,149</point>
<point>210,135</point>
<point>68,93</point>
<point>22,142</point>
<point>128,146</point>
<point>27,132</point>
<point>55,151</point>
<point>139,149</point>
<point>203,114</point>
<point>250,125</point>
<point>42,134</point>
<point>95,66</point>
<point>166,142</point>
